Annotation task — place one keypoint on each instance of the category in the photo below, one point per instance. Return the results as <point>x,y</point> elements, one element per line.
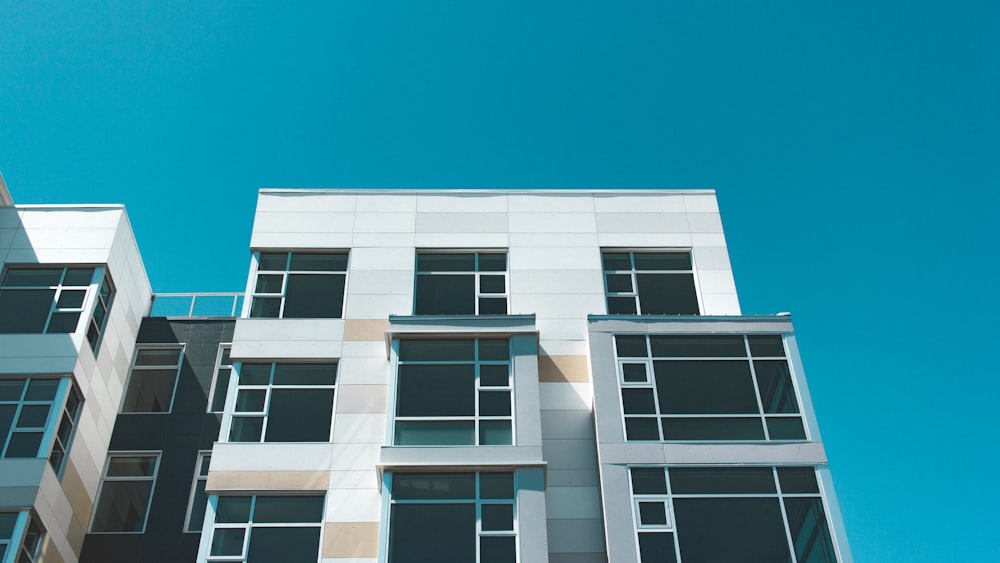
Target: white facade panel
<point>468,222</point>
<point>645,222</point>
<point>553,222</point>
<point>549,203</point>
<point>353,505</point>
<point>572,502</point>
<point>565,396</point>
<point>385,222</point>
<point>658,203</point>
<point>461,202</point>
<point>309,201</point>
<point>381,259</point>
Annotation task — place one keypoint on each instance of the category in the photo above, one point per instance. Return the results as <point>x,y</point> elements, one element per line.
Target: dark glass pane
<point>265,307</point>
<point>621,306</point>
<point>495,433</point>
<point>221,388</point>
<point>42,390</point>
<point>766,345</point>
<point>25,310</point>
<point>728,428</point>
<point>494,403</point>
<point>662,261</point>
<point>73,403</point>
<point>785,428</point>
<point>721,480</point>
<point>314,296</point>
<point>810,534</point>
<point>150,390</point>
<point>775,384</point>
<point>99,312</point>
<point>705,387</point>
<point>71,298</point>
<point>23,444</point>
<point>648,481</point>
<point>497,549</point>
<point>492,375</point>
<point>206,462</point>
<point>634,373</point>
<point>227,541</point>
<point>246,429</point>
<point>275,509</point>
<point>656,548</point>
<point>498,517</point>
<point>198,507</point>
<point>65,429</point>
<point>224,360</point>
<point>631,346</point>
<point>299,415</point>
<point>318,262</point>
<point>435,433</point>
<point>492,284</point>
<point>797,480</point>
<point>131,466</point>
<point>638,401</point>
<point>6,421</point>
<point>437,350</point>
<point>78,276</point>
<point>305,374</point>
<point>33,416</point>
<point>155,357</point>
<point>642,428</point>
<point>423,486</point>
<point>432,533</point>
<point>255,374</point>
<point>491,350</point>
<point>436,390</point>
<point>445,295</point>
<point>56,457</point>
<point>616,261</point>
<point>233,510</point>
<point>33,278</point>
<point>63,323</point>
<point>122,506</point>
<point>284,545</point>
<point>11,389</point>
<point>273,261</point>
<point>269,283</point>
<point>731,529</point>
<point>7,522</point>
<point>446,262</point>
<point>667,294</point>
<point>492,262</point>
<point>697,346</point>
<point>496,485</point>
<point>492,305</point>
<point>652,513</point>
<point>619,283</point>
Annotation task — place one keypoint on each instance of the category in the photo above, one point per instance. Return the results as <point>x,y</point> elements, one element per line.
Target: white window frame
<point>139,348</point>
<point>225,349</point>
<point>63,416</point>
<point>157,455</point>
<point>208,532</point>
<point>475,272</point>
<point>282,295</point>
<point>203,457</point>
<point>48,430</point>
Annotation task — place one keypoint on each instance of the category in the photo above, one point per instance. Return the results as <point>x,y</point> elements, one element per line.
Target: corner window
<point>53,300</point>
<point>220,379</point>
<point>198,501</point>
<point>299,285</point>
<point>21,537</point>
<point>707,387</point>
<point>66,430</point>
<point>649,283</point>
<point>452,518</point>
<point>29,409</point>
<point>265,529</point>
<point>461,283</point>
<point>126,489</point>
<point>730,514</point>
<point>279,402</point>
<point>153,379</point>
<point>454,392</point>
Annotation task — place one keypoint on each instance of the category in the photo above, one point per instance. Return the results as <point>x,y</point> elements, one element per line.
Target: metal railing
<point>196,305</point>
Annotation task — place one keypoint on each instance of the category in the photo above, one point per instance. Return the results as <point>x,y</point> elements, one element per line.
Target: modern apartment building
<point>410,375</point>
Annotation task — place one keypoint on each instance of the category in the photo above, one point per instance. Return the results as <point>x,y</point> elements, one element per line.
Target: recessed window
<point>127,487</point>
<point>707,387</point>
<point>452,518</point>
<point>198,501</point>
<point>649,283</point>
<point>299,285</point>
<point>220,379</point>
<point>266,529</point>
<point>153,379</point>
<point>28,408</point>
<point>461,283</point>
<point>454,392</point>
<point>66,430</point>
<point>283,402</point>
<point>53,300</point>
<point>24,529</point>
<point>729,514</point>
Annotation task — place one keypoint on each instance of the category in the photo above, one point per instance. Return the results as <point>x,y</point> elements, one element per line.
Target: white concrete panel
<point>549,203</point>
<point>708,239</point>
<point>301,241</point>
<point>572,502</point>
<point>563,347</point>
<point>325,330</point>
<point>720,304</point>
<point>355,457</point>
<point>576,537</point>
<point>644,240</point>
<point>467,222</point>
<point>705,222</point>
<point>292,349</point>
<point>462,240</point>
<point>569,425</point>
<point>384,239</point>
<point>71,218</point>
<point>461,202</point>
<point>274,457</point>
<point>359,429</point>
<point>377,306</point>
<point>554,258</point>
<point>353,505</point>
<point>705,203</point>
<point>306,201</point>
<point>553,222</point>
<point>349,560</point>
<point>660,202</point>
<point>562,329</point>
<point>644,222</point>
<point>561,306</point>
<point>553,239</point>
<point>565,396</point>
<point>57,256</point>
<point>387,203</point>
<point>716,281</point>
<point>570,454</point>
<point>402,258</point>
<point>364,349</point>
<point>64,238</point>
<point>380,282</point>
<point>711,258</point>
<point>385,222</point>
<point>10,218</point>
<point>353,480</point>
<point>6,238</point>
<point>303,222</point>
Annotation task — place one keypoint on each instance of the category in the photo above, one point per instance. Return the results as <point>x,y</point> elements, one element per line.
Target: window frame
<point>633,272</point>
<point>56,405</point>
<point>225,351</point>
<point>199,477</point>
<point>282,295</point>
<point>139,348</point>
<point>476,273</point>
<point>250,524</point>
<point>157,455</point>
<point>73,418</point>
<point>14,548</point>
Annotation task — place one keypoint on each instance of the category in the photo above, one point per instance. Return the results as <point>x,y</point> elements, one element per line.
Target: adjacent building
<point>410,375</point>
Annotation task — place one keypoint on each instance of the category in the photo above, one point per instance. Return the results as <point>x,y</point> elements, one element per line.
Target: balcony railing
<point>196,305</point>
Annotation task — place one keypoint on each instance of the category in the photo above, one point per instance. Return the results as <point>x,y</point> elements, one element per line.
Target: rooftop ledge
<point>489,191</point>
<point>691,324</point>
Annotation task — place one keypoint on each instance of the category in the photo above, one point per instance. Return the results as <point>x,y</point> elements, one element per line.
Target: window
<point>20,528</point>
<point>649,283</point>
<point>52,300</point>
<point>153,379</point>
<point>454,392</point>
<point>452,518</point>
<point>707,387</point>
<point>461,283</point>
<point>123,501</point>
<point>265,529</point>
<point>66,430</point>
<point>283,402</point>
<point>29,409</point>
<point>730,514</point>
<point>299,285</point>
<point>220,379</point>
<point>196,506</point>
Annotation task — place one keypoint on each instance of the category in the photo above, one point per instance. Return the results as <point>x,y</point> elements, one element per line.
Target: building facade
<point>410,375</point>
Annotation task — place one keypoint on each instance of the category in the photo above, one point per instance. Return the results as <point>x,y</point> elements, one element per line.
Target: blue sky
<point>854,146</point>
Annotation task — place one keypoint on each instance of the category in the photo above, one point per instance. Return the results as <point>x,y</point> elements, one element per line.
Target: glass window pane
<point>656,548</point>
<point>797,480</point>
<point>246,429</point>
<point>634,373</point>
<point>303,262</point>
<point>493,375</point>
<point>730,529</point>
<point>766,345</point>
<point>492,305</point>
<point>496,403</point>
<point>7,522</point>
<point>695,346</point>
<point>233,509</point>
<point>228,541</point>
<point>305,374</point>
<point>619,282</point>
<point>221,388</point>
<point>495,433</point>
<point>314,296</point>
<point>785,428</point>
<point>638,401</point>
<point>273,261</point>
<point>662,261</point>
<point>810,533</point>
<point>78,276</point>
<point>775,384</point>
<point>11,389</point>
<point>157,357</point>
<point>131,466</point>
<point>269,283</point>
<point>122,506</point>
<point>621,306</point>
<point>299,415</point>
<point>33,416</point>
<point>25,310</point>
<point>284,545</point>
<point>616,261</point>
<point>32,278</point>
<point>265,307</point>
<point>435,433</point>
<point>642,428</point>
<point>446,262</point>
<point>63,323</point>
<point>652,513</point>
<point>489,262</point>
<point>445,295</point>
<point>667,294</point>
<point>492,284</point>
<point>725,428</point>
<point>198,505</point>
<point>497,549</point>
<point>6,421</point>
<point>71,298</point>
<point>498,517</point>
<point>494,350</point>
<point>23,445</point>
<point>496,485</point>
<point>436,390</point>
<point>150,390</point>
<point>275,509</point>
<point>439,533</point>
<point>705,387</point>
<point>418,486</point>
<point>436,350</point>
<point>630,346</point>
<point>648,481</point>
<point>255,374</point>
<point>721,480</point>
<point>42,390</point>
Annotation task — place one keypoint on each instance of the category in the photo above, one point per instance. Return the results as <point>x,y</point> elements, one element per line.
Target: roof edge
<point>492,191</point>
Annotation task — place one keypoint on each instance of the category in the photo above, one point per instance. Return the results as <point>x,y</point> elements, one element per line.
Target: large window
<point>266,529</point>
<point>649,283</point>
<point>53,300</point>
<point>153,379</point>
<point>29,409</point>
<point>452,518</point>
<point>127,488</point>
<point>220,379</point>
<point>299,285</point>
<point>707,387</point>
<point>279,402</point>
<point>20,528</point>
<point>454,392</point>
<point>730,514</point>
<point>199,499</point>
<point>461,283</point>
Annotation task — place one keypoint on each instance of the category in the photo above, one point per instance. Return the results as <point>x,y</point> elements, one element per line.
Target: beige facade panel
<point>365,329</point>
<point>350,539</point>
<point>267,480</point>
<point>76,493</point>
<point>562,369</point>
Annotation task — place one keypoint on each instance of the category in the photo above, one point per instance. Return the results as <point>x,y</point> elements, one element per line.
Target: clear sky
<point>855,147</point>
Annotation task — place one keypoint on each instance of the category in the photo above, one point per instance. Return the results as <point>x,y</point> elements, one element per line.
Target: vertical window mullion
<point>756,389</point>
